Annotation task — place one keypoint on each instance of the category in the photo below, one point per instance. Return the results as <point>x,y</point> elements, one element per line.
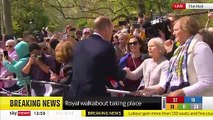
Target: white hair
<point>159,42</point>
<point>11,41</point>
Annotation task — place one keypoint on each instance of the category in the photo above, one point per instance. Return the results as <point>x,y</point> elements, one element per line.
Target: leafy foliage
<point>28,15</point>
<point>80,13</point>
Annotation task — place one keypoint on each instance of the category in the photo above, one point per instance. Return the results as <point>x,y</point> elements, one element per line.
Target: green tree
<point>81,12</point>
<point>58,13</point>
<point>28,15</point>
<point>7,17</point>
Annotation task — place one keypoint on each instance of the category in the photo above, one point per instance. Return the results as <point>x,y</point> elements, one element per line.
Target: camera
<point>152,27</point>
<point>38,36</point>
<point>38,56</point>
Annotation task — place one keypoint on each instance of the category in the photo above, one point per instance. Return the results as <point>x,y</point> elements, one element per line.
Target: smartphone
<point>6,55</point>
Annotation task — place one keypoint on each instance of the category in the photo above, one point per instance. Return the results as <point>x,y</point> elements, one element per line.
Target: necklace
<point>133,57</point>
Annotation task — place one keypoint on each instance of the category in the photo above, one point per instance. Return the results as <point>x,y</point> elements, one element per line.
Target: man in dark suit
<point>94,62</point>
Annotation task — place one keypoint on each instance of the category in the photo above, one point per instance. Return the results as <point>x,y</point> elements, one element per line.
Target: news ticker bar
<point>129,103</point>
<point>67,114</point>
<point>181,6</point>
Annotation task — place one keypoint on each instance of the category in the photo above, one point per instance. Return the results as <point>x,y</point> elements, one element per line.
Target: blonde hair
<point>64,52</point>
<point>188,24</point>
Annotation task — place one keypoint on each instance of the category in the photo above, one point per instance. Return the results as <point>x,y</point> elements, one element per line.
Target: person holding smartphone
<point>10,55</point>
<point>16,66</point>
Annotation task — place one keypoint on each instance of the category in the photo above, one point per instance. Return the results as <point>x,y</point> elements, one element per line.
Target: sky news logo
<point>24,113</point>
<point>20,113</point>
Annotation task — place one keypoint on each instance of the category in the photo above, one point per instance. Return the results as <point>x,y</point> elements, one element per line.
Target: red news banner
<point>182,6</point>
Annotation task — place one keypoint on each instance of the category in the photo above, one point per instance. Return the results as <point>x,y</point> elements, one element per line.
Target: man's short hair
<point>102,23</point>
<point>34,46</point>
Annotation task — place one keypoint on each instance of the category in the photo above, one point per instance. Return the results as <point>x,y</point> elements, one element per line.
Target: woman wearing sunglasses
<point>10,44</point>
<point>136,55</point>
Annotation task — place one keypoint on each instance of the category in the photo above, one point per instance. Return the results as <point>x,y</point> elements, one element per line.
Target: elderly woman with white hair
<point>12,56</point>
<point>10,47</point>
<point>153,70</point>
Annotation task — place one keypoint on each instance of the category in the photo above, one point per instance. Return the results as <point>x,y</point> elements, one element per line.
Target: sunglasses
<point>9,46</point>
<point>133,43</point>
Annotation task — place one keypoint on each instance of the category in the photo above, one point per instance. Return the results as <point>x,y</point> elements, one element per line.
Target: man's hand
<point>32,59</point>
<point>54,77</point>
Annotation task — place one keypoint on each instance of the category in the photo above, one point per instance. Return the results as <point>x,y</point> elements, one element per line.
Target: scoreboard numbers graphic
<point>183,103</point>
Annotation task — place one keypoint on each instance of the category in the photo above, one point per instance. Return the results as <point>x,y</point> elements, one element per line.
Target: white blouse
<point>152,72</point>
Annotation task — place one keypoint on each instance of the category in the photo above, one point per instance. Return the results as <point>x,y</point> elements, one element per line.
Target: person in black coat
<point>94,61</point>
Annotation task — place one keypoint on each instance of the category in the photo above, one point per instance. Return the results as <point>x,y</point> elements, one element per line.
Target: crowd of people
<point>80,64</point>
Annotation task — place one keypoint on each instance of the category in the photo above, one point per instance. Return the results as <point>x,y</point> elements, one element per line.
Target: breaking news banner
<point>181,6</point>
<point>43,108</point>
<point>31,103</point>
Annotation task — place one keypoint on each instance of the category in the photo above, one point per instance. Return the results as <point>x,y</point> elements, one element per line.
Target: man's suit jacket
<point>94,61</point>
